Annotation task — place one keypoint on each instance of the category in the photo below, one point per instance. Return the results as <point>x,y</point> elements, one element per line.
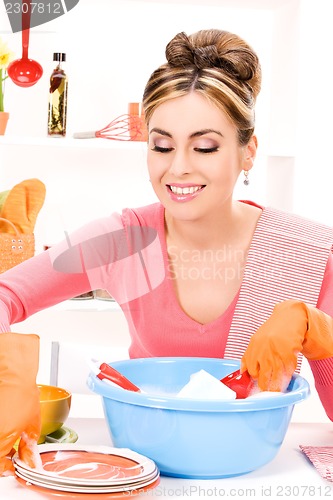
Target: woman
<point>198,273</point>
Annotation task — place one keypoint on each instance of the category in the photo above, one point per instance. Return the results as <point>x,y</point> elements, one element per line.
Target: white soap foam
<point>153,390</point>
<point>265,394</point>
<point>203,385</point>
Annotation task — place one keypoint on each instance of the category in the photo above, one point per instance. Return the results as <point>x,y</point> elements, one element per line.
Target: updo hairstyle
<point>217,64</point>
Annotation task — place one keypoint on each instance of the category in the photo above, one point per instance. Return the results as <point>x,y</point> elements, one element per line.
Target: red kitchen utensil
<point>106,371</point>
<point>25,72</point>
<point>123,128</point>
<point>239,382</point>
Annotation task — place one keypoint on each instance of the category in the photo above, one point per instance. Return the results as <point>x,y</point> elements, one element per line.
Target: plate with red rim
<point>85,489</point>
<point>69,466</point>
<point>47,483</point>
<point>42,492</point>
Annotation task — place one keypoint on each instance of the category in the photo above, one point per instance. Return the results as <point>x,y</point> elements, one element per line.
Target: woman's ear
<point>250,152</point>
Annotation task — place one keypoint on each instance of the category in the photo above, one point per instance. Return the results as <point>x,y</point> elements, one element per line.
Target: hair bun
<point>179,52</point>
<point>216,49</point>
<point>240,62</point>
<point>206,57</point>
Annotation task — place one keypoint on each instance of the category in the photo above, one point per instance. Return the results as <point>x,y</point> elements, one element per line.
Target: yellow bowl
<point>55,404</point>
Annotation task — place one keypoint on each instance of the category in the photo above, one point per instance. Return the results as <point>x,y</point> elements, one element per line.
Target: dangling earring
<point>246,178</point>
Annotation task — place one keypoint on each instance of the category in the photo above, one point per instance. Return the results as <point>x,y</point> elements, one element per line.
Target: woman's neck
<point>209,232</point>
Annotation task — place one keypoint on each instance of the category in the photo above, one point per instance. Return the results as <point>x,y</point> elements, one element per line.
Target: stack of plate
<point>78,469</point>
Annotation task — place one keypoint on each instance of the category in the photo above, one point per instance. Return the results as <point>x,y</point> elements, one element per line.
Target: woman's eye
<point>206,150</point>
<point>160,149</point>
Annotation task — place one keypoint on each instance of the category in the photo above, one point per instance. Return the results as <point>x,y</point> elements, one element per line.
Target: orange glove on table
<point>19,397</point>
<point>293,327</point>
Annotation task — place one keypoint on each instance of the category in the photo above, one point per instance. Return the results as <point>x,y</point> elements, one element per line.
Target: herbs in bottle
<point>57,113</point>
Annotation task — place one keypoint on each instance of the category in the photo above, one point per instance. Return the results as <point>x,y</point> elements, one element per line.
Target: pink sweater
<point>117,254</point>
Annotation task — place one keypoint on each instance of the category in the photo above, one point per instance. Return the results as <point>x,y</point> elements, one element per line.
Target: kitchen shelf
<point>70,142</point>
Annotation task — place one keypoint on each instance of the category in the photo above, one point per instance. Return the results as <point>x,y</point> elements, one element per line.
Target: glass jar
<point>57,110</point>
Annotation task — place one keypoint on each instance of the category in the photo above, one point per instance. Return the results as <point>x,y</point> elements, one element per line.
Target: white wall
<point>314,165</point>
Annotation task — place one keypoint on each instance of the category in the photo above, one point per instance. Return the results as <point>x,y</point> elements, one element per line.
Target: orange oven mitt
<point>19,395</point>
<point>22,204</point>
<point>293,327</point>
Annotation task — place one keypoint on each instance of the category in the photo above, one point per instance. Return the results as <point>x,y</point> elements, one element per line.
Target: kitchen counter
<point>289,475</point>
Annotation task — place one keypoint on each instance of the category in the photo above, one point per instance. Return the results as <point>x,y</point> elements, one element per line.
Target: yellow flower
<point>6,56</point>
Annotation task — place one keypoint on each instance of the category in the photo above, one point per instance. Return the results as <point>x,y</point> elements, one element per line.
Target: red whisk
<point>123,128</point>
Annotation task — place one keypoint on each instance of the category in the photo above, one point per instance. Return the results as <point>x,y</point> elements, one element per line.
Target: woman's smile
<point>184,192</point>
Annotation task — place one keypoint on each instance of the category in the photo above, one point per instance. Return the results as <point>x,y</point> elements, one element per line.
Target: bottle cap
<point>59,56</point>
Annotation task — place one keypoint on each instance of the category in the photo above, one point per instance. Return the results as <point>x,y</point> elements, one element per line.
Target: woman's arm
<point>35,285</point>
<point>72,267</point>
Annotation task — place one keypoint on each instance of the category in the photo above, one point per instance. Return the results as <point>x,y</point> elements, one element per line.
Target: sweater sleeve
<point>323,369</point>
<point>74,266</point>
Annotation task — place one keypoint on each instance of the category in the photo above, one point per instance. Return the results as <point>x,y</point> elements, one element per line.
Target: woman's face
<point>194,157</point>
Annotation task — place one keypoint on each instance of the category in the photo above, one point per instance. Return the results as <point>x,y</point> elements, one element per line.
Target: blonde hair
<point>217,64</point>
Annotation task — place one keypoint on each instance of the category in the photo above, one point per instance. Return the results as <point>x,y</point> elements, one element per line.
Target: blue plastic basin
<point>194,438</point>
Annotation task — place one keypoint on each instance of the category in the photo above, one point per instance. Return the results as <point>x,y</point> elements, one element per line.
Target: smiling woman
<point>221,278</point>
<point>201,126</point>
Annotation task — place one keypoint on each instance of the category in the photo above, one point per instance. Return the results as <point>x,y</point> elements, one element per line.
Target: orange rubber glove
<point>293,327</point>
<point>19,397</point>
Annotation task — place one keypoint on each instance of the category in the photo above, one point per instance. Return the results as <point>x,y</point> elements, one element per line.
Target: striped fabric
<point>287,260</point>
<point>322,459</point>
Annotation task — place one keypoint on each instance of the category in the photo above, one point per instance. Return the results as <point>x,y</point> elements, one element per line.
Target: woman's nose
<point>180,164</point>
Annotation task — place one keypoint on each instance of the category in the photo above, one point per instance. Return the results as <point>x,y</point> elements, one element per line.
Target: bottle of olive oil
<point>57,115</point>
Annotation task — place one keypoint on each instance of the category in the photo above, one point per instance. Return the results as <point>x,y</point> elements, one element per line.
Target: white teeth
<point>186,190</point>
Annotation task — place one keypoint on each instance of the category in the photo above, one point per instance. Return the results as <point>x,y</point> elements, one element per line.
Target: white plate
<point>53,483</point>
<point>90,489</point>
<point>88,466</point>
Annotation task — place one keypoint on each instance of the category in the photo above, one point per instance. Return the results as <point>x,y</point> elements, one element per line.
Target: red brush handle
<point>114,376</point>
